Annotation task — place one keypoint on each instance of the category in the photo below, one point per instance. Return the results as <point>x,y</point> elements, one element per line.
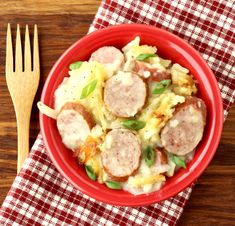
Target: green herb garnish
<point>88,89</point>
<point>113,185</point>
<point>166,82</point>
<point>161,86</point>
<point>178,161</point>
<point>90,172</point>
<point>149,156</point>
<point>75,65</point>
<point>145,56</point>
<point>134,124</point>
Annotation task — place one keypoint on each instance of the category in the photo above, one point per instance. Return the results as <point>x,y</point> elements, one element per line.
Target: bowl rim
<point>217,134</point>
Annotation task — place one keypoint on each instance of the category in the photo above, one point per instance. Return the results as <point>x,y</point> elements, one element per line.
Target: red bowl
<point>170,47</point>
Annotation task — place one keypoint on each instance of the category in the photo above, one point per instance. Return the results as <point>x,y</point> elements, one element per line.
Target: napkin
<point>41,196</point>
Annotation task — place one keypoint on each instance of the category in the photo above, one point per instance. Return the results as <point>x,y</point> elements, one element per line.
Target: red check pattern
<point>41,196</point>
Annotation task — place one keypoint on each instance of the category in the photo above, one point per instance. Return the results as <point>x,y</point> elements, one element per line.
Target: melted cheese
<point>183,83</point>
<point>95,163</point>
<point>141,180</point>
<point>108,142</point>
<point>97,131</point>
<point>134,42</point>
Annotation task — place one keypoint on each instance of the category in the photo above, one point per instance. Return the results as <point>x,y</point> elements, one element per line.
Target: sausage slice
<point>153,74</point>
<point>74,124</point>
<point>122,152</point>
<point>108,55</point>
<point>161,158</point>
<point>184,130</point>
<point>125,94</point>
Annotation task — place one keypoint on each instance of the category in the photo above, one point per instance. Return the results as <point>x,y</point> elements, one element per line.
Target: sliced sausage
<point>125,94</point>
<point>152,73</point>
<point>74,124</point>
<point>184,130</point>
<point>121,156</point>
<point>108,55</point>
<point>161,158</point>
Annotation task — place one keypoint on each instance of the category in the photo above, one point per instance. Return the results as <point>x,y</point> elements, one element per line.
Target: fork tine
<point>9,51</point>
<point>35,50</point>
<point>18,58</point>
<point>27,51</point>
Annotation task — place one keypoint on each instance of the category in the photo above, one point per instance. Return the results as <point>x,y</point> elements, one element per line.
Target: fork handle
<point>23,120</point>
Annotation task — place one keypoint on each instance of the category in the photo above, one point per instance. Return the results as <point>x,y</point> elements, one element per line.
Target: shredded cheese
<point>44,109</point>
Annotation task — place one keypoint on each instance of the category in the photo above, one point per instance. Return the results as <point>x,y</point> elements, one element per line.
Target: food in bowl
<point>130,117</point>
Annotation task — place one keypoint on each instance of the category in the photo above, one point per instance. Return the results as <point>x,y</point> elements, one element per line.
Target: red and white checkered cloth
<point>41,196</point>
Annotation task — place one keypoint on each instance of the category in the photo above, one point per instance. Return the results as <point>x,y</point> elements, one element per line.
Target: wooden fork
<point>22,84</point>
